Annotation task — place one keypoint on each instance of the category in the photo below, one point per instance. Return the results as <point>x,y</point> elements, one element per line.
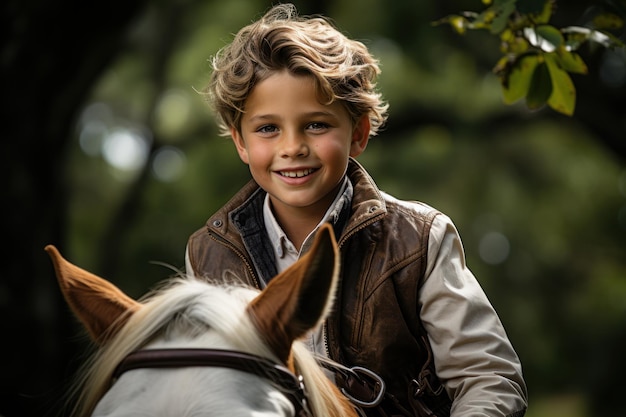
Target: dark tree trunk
<point>51,53</point>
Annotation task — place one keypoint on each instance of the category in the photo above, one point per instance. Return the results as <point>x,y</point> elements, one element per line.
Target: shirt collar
<point>283,248</point>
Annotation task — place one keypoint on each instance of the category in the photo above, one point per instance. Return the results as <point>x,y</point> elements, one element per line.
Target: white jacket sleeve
<point>473,355</point>
<point>188,268</point>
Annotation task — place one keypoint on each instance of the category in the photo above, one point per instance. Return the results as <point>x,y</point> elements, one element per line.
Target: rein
<point>280,376</point>
<point>364,388</point>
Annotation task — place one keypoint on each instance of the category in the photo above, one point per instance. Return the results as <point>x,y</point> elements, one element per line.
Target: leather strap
<point>175,358</point>
<point>279,375</point>
<point>363,387</point>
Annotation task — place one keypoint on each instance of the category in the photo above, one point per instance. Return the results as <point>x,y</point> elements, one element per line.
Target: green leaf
<point>484,20</point>
<point>519,78</point>
<point>545,37</point>
<point>563,97</point>
<point>570,61</point>
<point>577,35</point>
<point>458,23</point>
<point>608,21</point>
<point>574,39</point>
<point>501,19</point>
<point>545,14</point>
<point>540,87</point>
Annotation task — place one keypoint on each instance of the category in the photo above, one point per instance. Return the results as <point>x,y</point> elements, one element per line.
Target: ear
<point>300,298</point>
<point>98,304</point>
<point>240,144</point>
<point>360,136</point>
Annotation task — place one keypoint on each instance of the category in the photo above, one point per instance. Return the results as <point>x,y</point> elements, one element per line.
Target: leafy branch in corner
<point>536,56</point>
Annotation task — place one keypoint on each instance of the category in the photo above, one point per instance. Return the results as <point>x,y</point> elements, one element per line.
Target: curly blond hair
<point>343,69</point>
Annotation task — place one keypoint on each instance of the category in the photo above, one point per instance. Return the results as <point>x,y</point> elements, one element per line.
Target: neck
<point>298,224</point>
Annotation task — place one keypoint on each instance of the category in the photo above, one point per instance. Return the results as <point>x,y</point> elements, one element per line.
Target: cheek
<point>334,150</point>
<point>259,154</point>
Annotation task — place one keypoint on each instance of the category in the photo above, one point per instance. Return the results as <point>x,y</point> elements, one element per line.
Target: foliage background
<point>111,154</point>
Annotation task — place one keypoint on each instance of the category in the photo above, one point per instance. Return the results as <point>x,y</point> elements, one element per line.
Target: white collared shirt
<point>286,253</point>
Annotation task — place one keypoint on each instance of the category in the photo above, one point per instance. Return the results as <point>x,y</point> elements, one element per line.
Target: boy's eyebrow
<point>313,114</point>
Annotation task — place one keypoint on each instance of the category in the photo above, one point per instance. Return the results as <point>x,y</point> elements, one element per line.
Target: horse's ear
<point>98,304</point>
<point>299,298</point>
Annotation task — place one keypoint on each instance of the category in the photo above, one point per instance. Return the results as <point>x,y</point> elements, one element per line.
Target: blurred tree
<point>74,73</point>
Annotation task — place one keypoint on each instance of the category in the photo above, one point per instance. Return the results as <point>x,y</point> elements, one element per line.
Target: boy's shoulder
<point>367,191</point>
<point>409,206</point>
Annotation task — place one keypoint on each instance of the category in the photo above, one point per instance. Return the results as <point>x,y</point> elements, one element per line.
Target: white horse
<point>196,348</point>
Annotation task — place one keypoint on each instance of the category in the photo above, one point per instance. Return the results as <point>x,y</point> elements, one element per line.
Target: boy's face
<point>296,148</point>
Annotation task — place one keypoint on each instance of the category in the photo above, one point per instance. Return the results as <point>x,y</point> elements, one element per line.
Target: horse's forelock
<point>189,308</point>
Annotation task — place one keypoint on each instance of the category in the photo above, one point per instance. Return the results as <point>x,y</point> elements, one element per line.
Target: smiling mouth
<point>297,174</point>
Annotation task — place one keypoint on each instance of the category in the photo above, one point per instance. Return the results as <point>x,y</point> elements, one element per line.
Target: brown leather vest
<point>376,322</point>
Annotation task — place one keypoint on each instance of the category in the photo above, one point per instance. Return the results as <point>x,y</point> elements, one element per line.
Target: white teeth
<point>296,174</point>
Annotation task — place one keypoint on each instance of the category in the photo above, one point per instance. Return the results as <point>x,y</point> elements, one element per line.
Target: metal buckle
<point>305,410</point>
<point>372,381</point>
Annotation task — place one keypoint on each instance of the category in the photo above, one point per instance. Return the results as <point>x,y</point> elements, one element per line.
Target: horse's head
<point>294,302</point>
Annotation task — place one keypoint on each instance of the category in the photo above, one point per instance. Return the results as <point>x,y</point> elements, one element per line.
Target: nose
<point>294,145</point>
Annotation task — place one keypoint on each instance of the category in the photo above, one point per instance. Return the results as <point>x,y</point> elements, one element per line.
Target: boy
<point>299,100</point>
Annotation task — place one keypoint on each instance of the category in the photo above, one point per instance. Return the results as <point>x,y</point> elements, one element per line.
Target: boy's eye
<point>266,129</point>
<point>317,126</point>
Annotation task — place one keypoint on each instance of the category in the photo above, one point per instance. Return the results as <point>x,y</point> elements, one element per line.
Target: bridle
<point>364,388</point>
<point>280,376</point>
